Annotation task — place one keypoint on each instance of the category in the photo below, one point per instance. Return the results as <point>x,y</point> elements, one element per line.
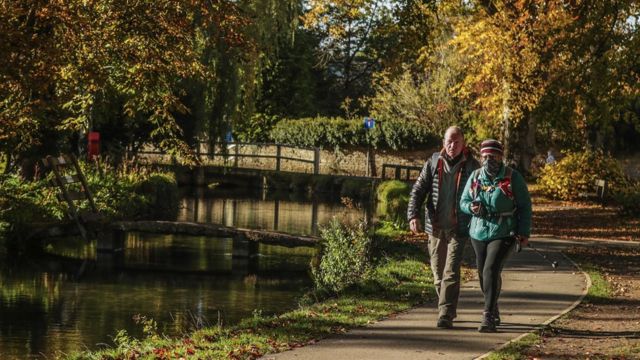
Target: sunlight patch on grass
<point>514,351</point>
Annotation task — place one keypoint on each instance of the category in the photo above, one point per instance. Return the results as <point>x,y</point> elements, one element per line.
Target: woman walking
<point>498,199</point>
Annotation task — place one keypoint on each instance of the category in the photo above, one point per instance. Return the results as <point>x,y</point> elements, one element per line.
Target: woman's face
<point>495,157</point>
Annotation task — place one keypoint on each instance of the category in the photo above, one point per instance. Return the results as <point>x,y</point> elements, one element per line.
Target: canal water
<point>75,298</point>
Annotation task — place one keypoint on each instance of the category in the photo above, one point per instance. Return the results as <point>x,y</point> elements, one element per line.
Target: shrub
<point>576,173</point>
<point>256,129</point>
<point>25,204</point>
<point>344,257</point>
<point>132,192</point>
<point>628,199</point>
<point>393,199</point>
<point>161,196</point>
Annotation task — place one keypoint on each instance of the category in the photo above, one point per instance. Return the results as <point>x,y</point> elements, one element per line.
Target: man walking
<point>439,187</point>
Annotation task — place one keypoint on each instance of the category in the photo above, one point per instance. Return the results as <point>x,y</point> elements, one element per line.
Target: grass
<point>514,350</point>
<point>399,282</point>
<point>600,290</point>
<point>389,229</point>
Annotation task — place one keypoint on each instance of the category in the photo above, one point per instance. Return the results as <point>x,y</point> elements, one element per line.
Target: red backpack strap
<point>505,183</point>
<point>475,184</point>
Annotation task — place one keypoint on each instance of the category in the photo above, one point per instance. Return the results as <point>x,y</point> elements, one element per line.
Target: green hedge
<point>338,132</point>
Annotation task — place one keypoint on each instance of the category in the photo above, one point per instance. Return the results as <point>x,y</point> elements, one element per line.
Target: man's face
<point>453,144</point>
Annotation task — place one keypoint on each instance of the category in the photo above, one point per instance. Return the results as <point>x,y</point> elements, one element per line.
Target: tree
<point>528,59</point>
<point>60,56</point>
<point>348,29</point>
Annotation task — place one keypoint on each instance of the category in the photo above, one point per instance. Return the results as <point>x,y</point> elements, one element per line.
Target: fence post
<point>235,159</point>
<point>278,153</point>
<point>316,161</point>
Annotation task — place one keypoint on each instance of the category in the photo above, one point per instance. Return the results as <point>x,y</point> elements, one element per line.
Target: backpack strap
<point>436,165</point>
<point>505,184</point>
<point>475,184</point>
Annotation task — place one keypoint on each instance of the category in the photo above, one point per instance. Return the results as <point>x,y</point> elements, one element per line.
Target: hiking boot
<point>496,316</point>
<point>488,324</point>
<point>444,323</point>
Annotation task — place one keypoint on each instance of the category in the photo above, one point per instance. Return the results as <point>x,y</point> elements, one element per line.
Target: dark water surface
<point>182,282</point>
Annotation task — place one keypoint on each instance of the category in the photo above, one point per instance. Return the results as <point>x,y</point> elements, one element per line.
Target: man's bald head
<point>453,141</point>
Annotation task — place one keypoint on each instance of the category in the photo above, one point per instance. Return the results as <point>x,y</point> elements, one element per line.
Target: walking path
<point>533,293</point>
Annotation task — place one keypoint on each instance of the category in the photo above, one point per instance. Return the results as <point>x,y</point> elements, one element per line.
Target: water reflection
<point>179,281</point>
<point>299,216</point>
<point>78,298</point>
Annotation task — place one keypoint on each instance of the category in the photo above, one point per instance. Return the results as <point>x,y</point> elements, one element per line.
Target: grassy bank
<point>398,280</point>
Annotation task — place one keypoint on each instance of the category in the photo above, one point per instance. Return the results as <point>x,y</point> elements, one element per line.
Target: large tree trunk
<point>523,144</point>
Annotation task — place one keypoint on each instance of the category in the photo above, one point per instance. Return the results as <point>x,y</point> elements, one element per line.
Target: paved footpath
<point>533,293</point>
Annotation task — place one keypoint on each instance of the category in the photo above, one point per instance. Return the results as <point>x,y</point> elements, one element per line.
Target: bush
<point>161,196</point>
<point>576,173</point>
<point>339,132</point>
<point>256,129</point>
<point>393,199</point>
<point>23,205</point>
<point>628,199</point>
<point>344,257</point>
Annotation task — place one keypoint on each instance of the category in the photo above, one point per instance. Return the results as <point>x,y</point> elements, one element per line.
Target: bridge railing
<point>251,155</point>
<point>401,172</point>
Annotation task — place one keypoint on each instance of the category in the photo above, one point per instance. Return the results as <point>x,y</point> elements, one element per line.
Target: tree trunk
<point>506,125</point>
<point>523,141</point>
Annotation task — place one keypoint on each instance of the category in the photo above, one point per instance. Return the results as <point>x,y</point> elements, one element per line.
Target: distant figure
<point>498,199</point>
<point>439,187</point>
<point>550,158</point>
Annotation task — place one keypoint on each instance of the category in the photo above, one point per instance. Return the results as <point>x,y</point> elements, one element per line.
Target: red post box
<point>93,149</point>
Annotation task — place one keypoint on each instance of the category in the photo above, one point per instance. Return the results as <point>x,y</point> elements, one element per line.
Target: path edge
<point>550,320</point>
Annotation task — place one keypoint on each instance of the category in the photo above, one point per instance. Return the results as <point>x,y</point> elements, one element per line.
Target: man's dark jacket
<point>427,186</point>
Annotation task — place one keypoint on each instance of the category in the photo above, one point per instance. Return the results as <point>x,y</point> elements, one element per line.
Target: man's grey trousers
<point>445,250</point>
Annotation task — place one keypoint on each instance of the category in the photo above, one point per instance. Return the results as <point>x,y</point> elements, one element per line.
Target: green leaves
<point>338,132</point>
<point>344,257</point>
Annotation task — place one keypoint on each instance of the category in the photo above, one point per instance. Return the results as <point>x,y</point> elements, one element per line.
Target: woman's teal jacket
<point>506,203</point>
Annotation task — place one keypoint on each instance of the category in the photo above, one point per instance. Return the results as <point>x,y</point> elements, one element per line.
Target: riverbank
<point>400,281</point>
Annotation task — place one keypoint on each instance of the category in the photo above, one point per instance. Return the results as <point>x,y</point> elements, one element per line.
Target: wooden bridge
<point>243,154</point>
<point>270,156</point>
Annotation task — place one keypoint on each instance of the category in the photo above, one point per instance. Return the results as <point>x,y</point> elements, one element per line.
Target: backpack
<point>504,184</point>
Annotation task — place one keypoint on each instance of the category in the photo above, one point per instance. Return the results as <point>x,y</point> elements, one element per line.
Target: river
<point>74,298</point>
